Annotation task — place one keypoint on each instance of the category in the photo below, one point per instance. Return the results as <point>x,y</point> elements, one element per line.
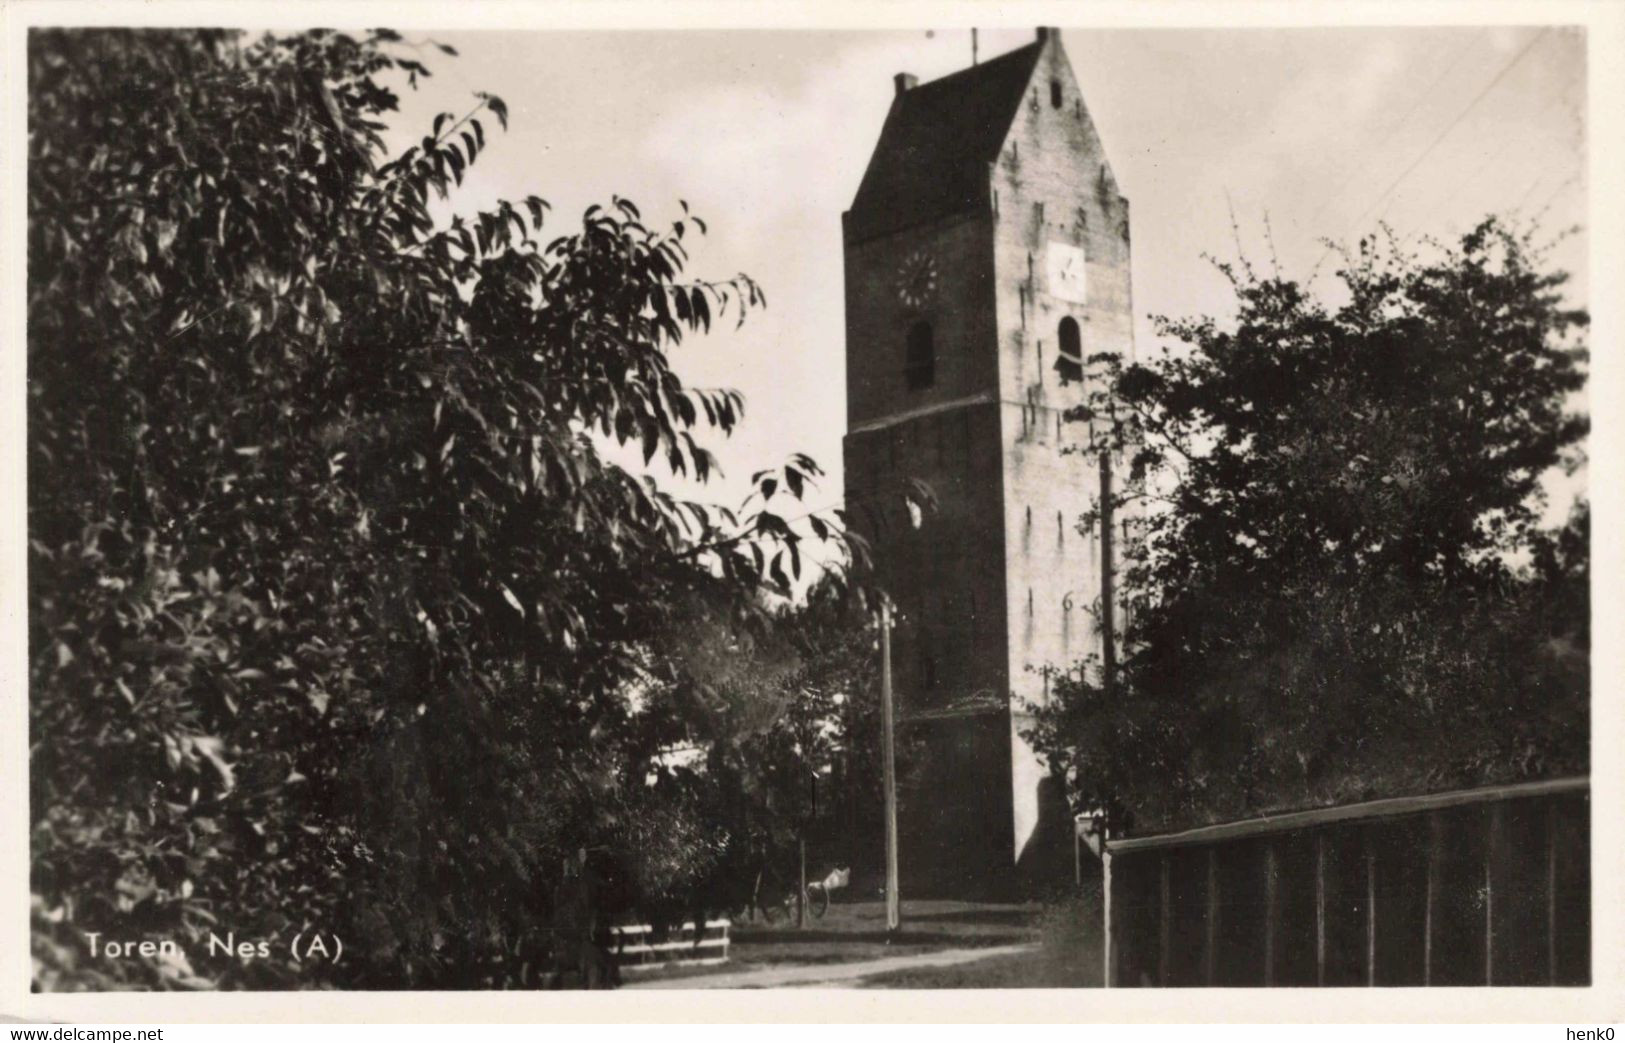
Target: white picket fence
<point>634,948</point>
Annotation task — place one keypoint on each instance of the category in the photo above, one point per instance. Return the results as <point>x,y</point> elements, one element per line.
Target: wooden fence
<point>638,947</point>
<point>1476,887</point>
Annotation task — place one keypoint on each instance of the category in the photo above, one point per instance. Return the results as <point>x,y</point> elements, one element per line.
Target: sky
<point>1258,141</point>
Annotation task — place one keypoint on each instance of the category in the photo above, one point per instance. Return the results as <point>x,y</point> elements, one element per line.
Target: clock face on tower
<point>917,280</point>
<point>1067,279</point>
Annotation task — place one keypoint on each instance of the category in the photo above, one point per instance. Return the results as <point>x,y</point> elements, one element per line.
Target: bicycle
<point>818,891</point>
<point>773,897</point>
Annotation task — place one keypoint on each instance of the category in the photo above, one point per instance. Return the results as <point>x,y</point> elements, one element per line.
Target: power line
<point>1437,141</point>
<point>1573,180</point>
<point>1509,145</point>
<point>1529,191</point>
<point>1395,128</point>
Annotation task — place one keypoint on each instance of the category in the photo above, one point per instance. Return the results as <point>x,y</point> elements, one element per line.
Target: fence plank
<point>1320,909</point>
<point>1270,887</point>
<point>1294,942</point>
<point>1108,961</point>
<point>1458,901</point>
<point>1187,917</point>
<point>1491,842</point>
<point>1551,893</point>
<point>1431,888</point>
<point>1212,910</point>
<point>1574,891</point>
<point>1370,909</point>
<point>1164,925</point>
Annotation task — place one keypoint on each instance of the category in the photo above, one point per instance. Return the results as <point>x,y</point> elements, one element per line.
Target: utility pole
<point>973,46</point>
<point>1108,669</point>
<point>1108,954</point>
<point>1108,658</point>
<point>801,893</point>
<point>889,769</point>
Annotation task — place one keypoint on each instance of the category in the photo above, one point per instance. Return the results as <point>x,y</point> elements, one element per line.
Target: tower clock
<point>917,280</point>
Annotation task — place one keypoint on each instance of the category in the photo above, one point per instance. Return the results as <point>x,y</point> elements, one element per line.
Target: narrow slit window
<point>1055,94</point>
<point>920,362</point>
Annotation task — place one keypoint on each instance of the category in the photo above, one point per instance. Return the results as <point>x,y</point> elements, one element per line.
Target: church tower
<point>988,244</point>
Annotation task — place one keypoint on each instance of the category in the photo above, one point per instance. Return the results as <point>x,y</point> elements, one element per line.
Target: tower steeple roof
<point>938,138</point>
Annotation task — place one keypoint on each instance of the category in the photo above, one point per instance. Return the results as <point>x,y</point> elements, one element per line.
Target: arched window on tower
<point>1069,357</point>
<point>920,363</point>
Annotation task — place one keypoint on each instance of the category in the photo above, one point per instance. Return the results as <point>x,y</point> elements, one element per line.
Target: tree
<point>337,613</point>
<point>1341,587</point>
<point>786,717</point>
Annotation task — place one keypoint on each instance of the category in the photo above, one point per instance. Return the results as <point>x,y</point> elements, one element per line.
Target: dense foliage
<point>1339,586</point>
<point>784,728</point>
<point>338,618</point>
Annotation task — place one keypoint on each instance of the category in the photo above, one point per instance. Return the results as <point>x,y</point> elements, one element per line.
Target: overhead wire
<point>1509,145</point>
<point>1425,94</point>
<point>1439,139</point>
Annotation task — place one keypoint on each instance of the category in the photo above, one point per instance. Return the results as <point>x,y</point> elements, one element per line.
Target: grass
<point>1039,970</point>
<point>856,931</point>
<point>1069,957</point>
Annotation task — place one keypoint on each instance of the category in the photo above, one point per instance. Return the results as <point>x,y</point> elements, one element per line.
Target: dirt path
<point>835,974</point>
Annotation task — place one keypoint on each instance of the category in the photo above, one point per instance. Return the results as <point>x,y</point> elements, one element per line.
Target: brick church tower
<point>987,239</point>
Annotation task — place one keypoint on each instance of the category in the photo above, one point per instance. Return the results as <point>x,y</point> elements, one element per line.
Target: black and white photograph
<point>1093,505</point>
